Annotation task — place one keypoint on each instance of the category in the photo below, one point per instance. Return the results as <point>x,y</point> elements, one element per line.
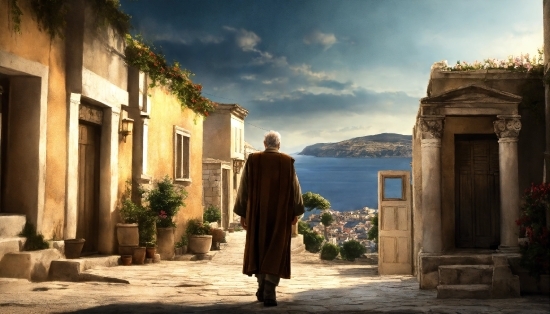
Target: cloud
<point>246,40</point>
<point>305,69</point>
<point>325,40</point>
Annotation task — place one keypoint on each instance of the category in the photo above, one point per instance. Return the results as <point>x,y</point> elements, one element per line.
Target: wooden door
<point>394,223</point>
<point>88,186</point>
<point>225,198</point>
<point>477,200</point>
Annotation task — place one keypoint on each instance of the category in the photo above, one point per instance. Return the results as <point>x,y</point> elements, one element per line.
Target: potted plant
<point>165,200</point>
<point>181,245</point>
<point>200,238</point>
<point>212,215</point>
<point>127,231</point>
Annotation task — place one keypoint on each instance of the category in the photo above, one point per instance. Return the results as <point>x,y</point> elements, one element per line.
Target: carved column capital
<point>507,126</point>
<point>431,127</point>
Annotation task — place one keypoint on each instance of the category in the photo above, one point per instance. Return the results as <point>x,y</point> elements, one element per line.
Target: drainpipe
<point>546,26</point>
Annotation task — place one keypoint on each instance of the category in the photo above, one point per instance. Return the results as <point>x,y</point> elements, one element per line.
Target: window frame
<point>179,131</point>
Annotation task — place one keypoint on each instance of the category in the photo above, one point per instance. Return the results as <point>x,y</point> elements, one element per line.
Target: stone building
<point>67,109</point>
<point>223,158</point>
<point>478,143</point>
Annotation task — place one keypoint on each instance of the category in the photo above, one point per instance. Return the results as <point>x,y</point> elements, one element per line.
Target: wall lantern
<point>237,165</point>
<point>126,127</point>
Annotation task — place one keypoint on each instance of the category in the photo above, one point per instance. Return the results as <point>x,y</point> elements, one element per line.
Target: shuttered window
<point>182,139</point>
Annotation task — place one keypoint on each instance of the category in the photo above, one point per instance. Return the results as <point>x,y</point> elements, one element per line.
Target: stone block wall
<point>211,183</point>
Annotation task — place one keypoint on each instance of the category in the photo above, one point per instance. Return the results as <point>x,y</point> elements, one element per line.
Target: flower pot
<point>138,257</point>
<point>126,260</point>
<point>150,252</point>
<point>126,250</point>
<point>165,243</point>
<point>200,244</point>
<point>218,235</point>
<point>73,247</point>
<point>127,234</point>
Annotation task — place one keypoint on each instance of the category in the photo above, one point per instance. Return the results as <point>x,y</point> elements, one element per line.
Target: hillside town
<point>348,225</point>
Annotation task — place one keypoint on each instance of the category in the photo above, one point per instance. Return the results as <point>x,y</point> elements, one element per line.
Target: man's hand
<point>295,220</point>
<point>243,223</point>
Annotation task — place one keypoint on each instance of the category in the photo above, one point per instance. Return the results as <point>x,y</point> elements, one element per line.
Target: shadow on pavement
<point>131,308</point>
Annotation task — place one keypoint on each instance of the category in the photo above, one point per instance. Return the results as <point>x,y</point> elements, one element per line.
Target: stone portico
<point>469,148</point>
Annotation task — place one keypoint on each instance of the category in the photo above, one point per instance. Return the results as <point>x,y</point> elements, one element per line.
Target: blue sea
<point>347,183</point>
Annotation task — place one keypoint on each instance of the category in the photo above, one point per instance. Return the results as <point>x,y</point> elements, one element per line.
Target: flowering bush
<point>535,254</point>
<point>523,63</point>
<point>171,76</point>
<point>165,201</point>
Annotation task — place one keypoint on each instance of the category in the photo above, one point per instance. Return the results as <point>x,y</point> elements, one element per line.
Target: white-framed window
<point>182,153</point>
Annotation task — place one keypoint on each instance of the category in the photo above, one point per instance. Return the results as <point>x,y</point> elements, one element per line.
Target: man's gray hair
<point>272,139</point>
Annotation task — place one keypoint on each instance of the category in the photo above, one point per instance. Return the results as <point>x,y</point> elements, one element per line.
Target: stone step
<point>465,274</point>
<point>464,291</point>
<point>73,269</point>
<point>11,225</point>
<point>297,244</point>
<point>10,245</point>
<point>30,265</point>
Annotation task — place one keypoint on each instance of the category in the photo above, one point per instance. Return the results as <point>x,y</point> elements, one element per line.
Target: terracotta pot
<point>218,235</point>
<point>165,243</point>
<point>126,250</point>
<point>127,234</point>
<point>73,247</point>
<point>138,257</point>
<point>200,244</point>
<point>150,252</point>
<point>126,260</point>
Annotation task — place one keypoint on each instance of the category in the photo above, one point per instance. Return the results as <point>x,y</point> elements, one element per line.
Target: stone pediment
<point>471,100</point>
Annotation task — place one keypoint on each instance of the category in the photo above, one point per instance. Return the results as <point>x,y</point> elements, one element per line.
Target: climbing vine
<point>147,59</point>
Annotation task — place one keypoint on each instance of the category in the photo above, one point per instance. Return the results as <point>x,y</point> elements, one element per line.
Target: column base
<point>508,249</point>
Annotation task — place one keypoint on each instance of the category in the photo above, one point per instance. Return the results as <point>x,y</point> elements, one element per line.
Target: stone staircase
<point>10,227</point>
<point>478,281</point>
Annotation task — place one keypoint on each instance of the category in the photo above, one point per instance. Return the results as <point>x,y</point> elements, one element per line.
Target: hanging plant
<point>177,80</point>
<point>15,14</point>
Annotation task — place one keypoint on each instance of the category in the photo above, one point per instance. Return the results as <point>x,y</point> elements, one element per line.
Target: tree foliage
<point>313,241</point>
<point>329,251</point>
<point>373,232</point>
<point>352,249</point>
<point>315,201</point>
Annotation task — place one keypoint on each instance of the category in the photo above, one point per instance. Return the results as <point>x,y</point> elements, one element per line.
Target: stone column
<point>507,128</point>
<point>432,129</point>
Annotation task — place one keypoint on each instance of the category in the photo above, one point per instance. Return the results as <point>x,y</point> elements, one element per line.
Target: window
<point>181,154</point>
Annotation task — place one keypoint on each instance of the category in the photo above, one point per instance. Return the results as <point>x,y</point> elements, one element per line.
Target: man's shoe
<point>260,292</point>
<point>270,297</point>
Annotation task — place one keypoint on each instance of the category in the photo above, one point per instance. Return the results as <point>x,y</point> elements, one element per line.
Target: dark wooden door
<point>477,201</point>
<point>88,186</point>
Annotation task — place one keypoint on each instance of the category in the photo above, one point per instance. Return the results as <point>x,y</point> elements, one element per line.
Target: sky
<point>323,71</point>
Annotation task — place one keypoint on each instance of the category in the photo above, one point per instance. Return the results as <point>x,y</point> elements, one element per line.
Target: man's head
<point>272,139</point>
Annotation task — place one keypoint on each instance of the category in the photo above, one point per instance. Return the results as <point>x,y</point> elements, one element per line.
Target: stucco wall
<point>49,131</point>
<point>217,135</point>
<point>165,113</point>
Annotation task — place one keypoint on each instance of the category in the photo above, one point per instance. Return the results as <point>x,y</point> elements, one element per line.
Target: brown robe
<point>269,198</point>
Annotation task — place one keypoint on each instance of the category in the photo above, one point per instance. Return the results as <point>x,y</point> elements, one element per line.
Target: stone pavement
<point>218,286</point>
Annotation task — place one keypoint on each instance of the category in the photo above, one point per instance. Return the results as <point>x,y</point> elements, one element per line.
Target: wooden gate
<point>88,185</point>
<point>394,223</point>
<point>477,200</point>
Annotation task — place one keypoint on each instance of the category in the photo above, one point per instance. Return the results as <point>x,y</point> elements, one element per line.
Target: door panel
<point>477,203</point>
<point>395,223</point>
<point>88,186</point>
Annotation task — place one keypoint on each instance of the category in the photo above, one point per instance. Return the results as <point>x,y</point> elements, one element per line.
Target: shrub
<point>165,200</point>
<point>212,214</point>
<point>329,251</point>
<point>182,242</point>
<point>535,254</point>
<point>352,249</point>
<point>35,241</point>
<point>196,227</point>
<point>313,241</point>
<point>303,227</point>
<point>373,232</point>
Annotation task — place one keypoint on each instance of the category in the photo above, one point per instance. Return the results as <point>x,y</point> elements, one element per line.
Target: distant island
<point>379,145</point>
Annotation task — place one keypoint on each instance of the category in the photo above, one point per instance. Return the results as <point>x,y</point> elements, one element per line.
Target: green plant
<point>313,241</point>
<point>183,241</point>
<point>196,227</point>
<point>326,220</point>
<point>535,254</point>
<point>373,232</point>
<point>146,227</point>
<point>303,227</point>
<point>146,58</point>
<point>212,214</point>
<point>315,201</point>
<point>129,211</point>
<point>329,251</point>
<point>352,249</point>
<point>35,241</point>
<point>165,200</point>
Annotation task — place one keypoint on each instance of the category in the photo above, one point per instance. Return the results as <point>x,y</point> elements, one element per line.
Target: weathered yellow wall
<point>124,166</point>
<point>35,45</point>
<point>165,113</point>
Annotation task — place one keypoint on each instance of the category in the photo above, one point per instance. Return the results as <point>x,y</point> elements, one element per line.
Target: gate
<point>394,223</point>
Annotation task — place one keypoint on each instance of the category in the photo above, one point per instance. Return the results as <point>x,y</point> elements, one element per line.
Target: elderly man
<point>269,203</point>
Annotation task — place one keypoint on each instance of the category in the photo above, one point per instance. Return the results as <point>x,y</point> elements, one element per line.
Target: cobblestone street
<point>219,286</point>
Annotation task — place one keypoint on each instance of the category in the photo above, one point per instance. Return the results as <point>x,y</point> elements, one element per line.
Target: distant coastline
<point>384,145</point>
